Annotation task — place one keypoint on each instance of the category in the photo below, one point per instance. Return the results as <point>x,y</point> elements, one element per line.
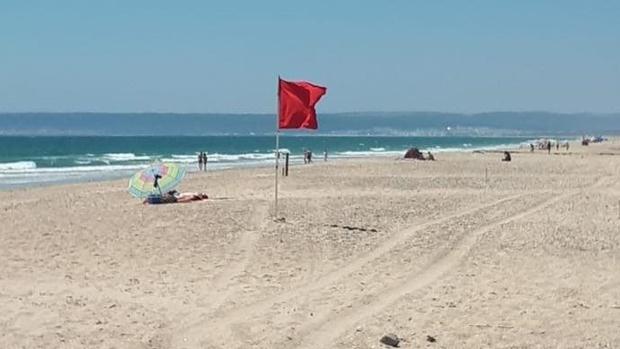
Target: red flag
<point>297,101</point>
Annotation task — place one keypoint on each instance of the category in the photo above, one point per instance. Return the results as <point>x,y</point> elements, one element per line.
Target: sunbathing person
<point>187,197</point>
<point>174,196</point>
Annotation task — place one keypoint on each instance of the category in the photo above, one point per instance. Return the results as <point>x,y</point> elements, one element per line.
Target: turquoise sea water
<point>28,161</point>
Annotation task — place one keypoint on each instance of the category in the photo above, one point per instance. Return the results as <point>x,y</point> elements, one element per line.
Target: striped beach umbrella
<point>166,175</point>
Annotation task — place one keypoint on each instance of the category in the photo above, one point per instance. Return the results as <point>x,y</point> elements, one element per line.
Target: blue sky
<point>225,56</point>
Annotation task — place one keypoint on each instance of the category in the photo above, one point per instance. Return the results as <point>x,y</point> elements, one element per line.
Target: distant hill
<point>363,123</point>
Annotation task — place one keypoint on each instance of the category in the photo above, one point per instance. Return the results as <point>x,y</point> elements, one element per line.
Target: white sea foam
<point>17,166</point>
<point>185,157</point>
<point>69,170</point>
<point>358,154</point>
<point>217,157</point>
<point>39,176</point>
<point>377,149</point>
<point>259,156</point>
<point>124,157</point>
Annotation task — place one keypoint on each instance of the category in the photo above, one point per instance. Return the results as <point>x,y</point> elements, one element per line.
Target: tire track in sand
<point>323,331</point>
<point>220,323</point>
<point>246,246</point>
<point>221,289</point>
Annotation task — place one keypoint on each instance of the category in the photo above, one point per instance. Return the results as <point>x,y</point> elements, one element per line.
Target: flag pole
<point>277,150</point>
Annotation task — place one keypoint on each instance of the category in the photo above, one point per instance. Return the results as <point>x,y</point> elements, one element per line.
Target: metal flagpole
<point>277,149</point>
<point>277,163</point>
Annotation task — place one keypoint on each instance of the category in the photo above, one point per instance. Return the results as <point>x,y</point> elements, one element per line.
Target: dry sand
<point>527,257</point>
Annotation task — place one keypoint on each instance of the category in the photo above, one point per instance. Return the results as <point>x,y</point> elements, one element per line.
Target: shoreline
<point>298,164</point>
<point>87,175</point>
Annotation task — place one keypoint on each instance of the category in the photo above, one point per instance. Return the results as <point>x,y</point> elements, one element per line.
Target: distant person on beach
<point>507,156</point>
<point>305,156</point>
<point>430,156</point>
<point>549,147</point>
<point>531,148</point>
<point>204,161</point>
<point>309,156</point>
<point>200,161</point>
<point>557,145</point>
<point>325,155</point>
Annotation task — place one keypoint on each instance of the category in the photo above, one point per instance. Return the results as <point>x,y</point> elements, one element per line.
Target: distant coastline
<point>404,124</point>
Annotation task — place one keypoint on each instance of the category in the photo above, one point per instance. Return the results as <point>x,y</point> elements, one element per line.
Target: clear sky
<point>391,55</point>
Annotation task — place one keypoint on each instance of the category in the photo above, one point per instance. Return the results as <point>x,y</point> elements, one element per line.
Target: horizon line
<point>614,113</point>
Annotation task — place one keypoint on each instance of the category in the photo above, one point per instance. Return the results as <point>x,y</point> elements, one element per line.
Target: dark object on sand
<point>414,153</point>
<point>285,168</point>
<point>506,156</point>
<point>390,339</point>
<point>431,339</point>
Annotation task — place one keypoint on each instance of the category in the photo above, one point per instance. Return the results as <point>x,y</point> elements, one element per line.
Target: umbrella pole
<point>156,184</point>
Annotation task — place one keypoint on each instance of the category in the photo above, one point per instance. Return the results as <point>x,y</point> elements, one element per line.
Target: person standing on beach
<point>325,155</point>
<point>200,161</point>
<point>305,156</point>
<point>204,161</point>
<point>548,147</point>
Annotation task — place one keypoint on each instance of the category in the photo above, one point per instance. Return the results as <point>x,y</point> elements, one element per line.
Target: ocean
<point>42,160</point>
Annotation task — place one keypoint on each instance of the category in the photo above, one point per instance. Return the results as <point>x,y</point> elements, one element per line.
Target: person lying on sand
<point>174,196</point>
<point>187,197</point>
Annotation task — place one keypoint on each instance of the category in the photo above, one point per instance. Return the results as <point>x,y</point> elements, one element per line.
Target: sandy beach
<point>468,250</point>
